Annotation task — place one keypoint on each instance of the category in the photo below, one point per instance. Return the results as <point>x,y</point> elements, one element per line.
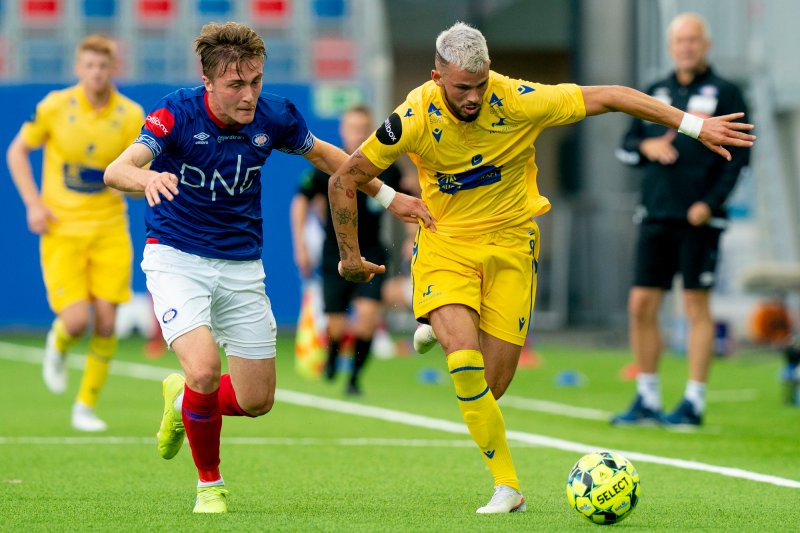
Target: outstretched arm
<point>406,208</point>
<point>714,132</point>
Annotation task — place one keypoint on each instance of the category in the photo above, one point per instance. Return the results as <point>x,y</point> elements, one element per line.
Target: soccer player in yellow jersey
<point>85,246</point>
<point>471,133</point>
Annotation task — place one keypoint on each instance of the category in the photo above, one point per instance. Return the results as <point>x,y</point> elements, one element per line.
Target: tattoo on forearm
<point>343,216</point>
<point>345,248</point>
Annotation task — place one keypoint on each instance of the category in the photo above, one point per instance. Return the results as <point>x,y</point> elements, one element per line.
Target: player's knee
<point>204,381</point>
<point>261,406</point>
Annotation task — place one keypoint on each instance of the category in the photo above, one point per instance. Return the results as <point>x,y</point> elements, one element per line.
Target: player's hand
<point>660,149</point>
<point>411,209</point>
<point>39,218</point>
<point>161,184</point>
<point>361,272</point>
<point>723,131</point>
<point>699,214</point>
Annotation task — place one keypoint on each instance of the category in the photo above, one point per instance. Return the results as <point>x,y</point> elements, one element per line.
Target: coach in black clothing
<point>681,216</point>
<point>338,293</point>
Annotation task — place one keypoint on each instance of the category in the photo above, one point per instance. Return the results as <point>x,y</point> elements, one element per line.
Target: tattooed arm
<point>356,172</point>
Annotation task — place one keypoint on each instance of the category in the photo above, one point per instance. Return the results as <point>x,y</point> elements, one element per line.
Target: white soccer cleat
<point>504,500</point>
<point>84,419</point>
<point>424,339</point>
<point>54,366</point>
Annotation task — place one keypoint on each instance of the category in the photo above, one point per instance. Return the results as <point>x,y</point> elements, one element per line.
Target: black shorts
<point>337,292</point>
<point>664,249</point>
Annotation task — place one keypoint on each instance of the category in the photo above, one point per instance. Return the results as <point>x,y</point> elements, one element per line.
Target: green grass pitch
<point>323,462</point>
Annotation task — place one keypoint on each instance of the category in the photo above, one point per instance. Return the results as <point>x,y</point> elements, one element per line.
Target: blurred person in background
<point>471,132</point>
<point>86,251</point>
<point>681,217</point>
<point>337,293</point>
<point>204,240</point>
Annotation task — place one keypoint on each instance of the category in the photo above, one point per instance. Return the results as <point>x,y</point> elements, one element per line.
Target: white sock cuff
<point>217,483</point>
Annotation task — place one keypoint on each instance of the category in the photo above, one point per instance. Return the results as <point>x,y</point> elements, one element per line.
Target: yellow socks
<point>482,415</point>
<point>101,349</point>
<point>63,339</point>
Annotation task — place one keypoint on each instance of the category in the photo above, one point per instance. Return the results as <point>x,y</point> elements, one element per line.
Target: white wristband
<point>691,125</point>
<point>385,195</point>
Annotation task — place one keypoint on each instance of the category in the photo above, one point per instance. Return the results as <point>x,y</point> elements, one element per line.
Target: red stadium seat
<point>271,11</point>
<point>156,10</point>
<point>334,58</point>
<point>41,10</point>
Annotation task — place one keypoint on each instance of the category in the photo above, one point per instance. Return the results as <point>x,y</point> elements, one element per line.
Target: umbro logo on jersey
<point>524,89</point>
<point>202,138</point>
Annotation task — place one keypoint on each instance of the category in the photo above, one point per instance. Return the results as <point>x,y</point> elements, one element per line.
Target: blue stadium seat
<point>160,58</point>
<point>45,59</point>
<point>100,8</point>
<point>214,8</point>
<point>329,8</point>
<point>281,62</point>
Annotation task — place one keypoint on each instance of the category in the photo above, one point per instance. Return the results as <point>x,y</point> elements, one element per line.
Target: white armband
<point>691,125</point>
<point>385,195</point>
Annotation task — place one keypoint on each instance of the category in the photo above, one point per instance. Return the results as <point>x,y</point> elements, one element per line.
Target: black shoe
<point>637,415</point>
<point>683,416</point>
<point>353,390</point>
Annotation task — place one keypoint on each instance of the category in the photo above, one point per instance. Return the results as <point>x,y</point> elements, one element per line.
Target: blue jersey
<point>217,212</point>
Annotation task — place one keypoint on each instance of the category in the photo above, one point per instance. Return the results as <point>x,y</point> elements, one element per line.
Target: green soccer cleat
<point>211,500</point>
<point>170,434</point>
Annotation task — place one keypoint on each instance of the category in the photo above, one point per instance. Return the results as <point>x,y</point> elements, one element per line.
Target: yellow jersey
<point>480,176</point>
<point>79,142</point>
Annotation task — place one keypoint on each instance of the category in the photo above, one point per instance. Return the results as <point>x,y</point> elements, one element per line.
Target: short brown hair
<point>100,44</point>
<point>231,43</point>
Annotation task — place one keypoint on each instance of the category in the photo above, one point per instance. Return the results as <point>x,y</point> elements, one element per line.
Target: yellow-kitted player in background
<point>86,250</point>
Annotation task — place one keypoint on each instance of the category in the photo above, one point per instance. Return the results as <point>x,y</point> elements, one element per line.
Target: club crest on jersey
<point>260,139</point>
<point>169,315</point>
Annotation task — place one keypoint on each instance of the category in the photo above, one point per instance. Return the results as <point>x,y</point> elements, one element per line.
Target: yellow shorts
<point>494,274</point>
<point>82,267</point>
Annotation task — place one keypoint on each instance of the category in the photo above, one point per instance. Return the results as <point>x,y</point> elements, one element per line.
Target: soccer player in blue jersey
<point>471,133</point>
<point>206,147</point>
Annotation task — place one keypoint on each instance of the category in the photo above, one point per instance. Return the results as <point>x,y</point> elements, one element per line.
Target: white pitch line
<point>33,355</point>
<point>555,408</point>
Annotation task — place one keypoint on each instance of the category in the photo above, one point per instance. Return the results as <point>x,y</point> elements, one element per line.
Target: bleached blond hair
<point>463,46</point>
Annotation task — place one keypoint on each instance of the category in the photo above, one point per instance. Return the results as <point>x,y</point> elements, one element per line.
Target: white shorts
<point>227,296</point>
